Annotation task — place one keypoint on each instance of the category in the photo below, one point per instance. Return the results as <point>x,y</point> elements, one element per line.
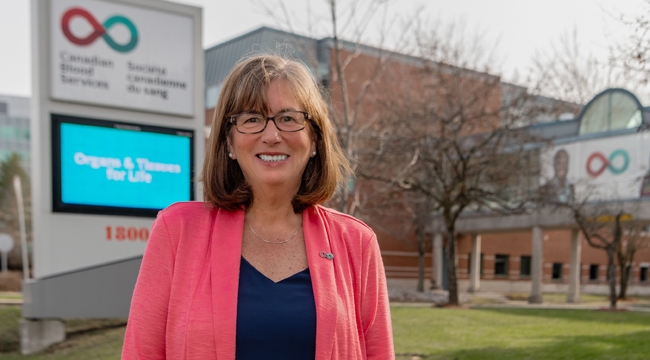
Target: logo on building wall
<point>603,163</point>
<point>99,30</point>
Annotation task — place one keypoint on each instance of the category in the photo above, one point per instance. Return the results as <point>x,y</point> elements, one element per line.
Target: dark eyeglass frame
<point>232,119</point>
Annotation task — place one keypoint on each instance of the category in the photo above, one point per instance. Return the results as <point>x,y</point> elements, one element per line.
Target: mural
<point>611,168</point>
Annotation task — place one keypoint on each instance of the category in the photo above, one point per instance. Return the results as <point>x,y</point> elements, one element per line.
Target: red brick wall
<point>556,249</point>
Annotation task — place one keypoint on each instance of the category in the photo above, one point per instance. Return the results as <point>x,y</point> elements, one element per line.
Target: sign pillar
<point>117,134</point>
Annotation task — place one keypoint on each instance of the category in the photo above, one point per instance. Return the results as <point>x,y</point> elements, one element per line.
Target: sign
<point>115,115</point>
<point>610,168</point>
<point>122,56</point>
<point>140,169</point>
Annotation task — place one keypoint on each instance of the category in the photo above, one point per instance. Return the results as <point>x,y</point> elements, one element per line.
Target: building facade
<point>505,253</point>
<point>601,157</point>
<point>14,129</point>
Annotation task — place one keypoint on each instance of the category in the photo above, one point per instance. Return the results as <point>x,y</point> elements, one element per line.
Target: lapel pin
<point>327,255</point>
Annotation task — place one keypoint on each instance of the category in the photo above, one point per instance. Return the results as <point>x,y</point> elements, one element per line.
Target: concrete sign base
<point>37,335</point>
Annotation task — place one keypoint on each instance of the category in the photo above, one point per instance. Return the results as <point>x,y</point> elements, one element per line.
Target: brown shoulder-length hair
<point>245,89</point>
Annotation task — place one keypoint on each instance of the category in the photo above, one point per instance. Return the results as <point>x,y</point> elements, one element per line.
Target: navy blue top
<point>275,320</point>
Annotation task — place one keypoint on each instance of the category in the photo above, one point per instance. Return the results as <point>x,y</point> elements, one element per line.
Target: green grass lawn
<point>9,316</point>
<point>435,333</point>
<point>421,332</point>
<point>86,339</point>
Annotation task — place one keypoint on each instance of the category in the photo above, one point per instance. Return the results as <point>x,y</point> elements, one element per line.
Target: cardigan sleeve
<point>375,309</point>
<point>146,326</point>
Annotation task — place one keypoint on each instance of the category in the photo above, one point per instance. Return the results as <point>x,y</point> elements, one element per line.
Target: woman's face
<point>273,157</point>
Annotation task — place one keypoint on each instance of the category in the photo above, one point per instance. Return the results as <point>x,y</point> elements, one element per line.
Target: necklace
<point>269,241</point>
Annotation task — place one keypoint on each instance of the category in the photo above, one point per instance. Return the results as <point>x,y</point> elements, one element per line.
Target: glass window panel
<point>612,111</point>
<point>524,266</point>
<point>557,271</point>
<point>595,117</point>
<point>635,120</point>
<point>24,156</point>
<point>624,109</point>
<point>212,95</point>
<point>593,272</point>
<point>501,265</point>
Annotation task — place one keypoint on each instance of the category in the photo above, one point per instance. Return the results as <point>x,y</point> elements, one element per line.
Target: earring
<point>313,154</point>
<point>230,155</point>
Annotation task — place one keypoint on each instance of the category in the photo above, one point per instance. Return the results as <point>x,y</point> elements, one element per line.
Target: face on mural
<point>561,164</point>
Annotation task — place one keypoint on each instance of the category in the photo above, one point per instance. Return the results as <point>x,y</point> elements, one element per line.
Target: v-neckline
<point>266,277</point>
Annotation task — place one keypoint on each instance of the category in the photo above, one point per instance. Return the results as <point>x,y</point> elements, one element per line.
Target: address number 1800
<point>121,233</point>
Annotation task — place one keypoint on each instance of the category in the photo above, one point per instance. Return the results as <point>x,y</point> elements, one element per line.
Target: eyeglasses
<point>253,123</point>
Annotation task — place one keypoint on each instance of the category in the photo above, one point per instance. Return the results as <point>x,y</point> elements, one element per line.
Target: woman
<point>260,270</point>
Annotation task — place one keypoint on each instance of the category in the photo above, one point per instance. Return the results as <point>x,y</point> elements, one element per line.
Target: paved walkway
<point>11,298</point>
<point>498,300</point>
<point>476,300</point>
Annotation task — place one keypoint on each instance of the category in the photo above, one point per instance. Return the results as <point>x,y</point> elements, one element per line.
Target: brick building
<point>502,245</point>
<point>608,159</point>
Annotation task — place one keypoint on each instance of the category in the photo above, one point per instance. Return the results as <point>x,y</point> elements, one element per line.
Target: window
<point>557,271</point>
<point>501,265</point>
<point>593,272</point>
<point>212,95</point>
<point>3,108</point>
<point>643,276</point>
<point>524,266</point>
<point>611,110</point>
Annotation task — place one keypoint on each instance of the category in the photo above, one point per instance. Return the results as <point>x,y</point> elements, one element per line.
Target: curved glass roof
<point>613,109</point>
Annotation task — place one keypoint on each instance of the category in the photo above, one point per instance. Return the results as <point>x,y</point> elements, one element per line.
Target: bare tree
<point>635,239</point>
<point>349,89</point>
<point>456,140</point>
<point>605,223</point>
<point>402,215</point>
<point>632,54</point>
<point>602,227</point>
<point>422,220</point>
<point>571,73</point>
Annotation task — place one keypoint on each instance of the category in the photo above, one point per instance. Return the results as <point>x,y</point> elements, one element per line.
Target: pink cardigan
<point>185,300</point>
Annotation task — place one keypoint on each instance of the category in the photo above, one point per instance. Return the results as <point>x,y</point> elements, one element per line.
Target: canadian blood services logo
<point>607,163</point>
<point>99,30</point>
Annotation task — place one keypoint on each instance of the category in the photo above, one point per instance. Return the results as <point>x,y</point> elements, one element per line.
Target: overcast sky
<point>522,28</point>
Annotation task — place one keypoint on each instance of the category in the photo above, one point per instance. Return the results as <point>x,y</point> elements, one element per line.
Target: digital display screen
<point>107,167</point>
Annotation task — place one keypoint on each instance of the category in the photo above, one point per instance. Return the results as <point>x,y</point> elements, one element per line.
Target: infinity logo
<point>606,163</point>
<point>99,30</point>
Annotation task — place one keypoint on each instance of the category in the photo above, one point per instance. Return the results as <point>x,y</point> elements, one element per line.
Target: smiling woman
<point>261,270</point>
<point>277,154</point>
